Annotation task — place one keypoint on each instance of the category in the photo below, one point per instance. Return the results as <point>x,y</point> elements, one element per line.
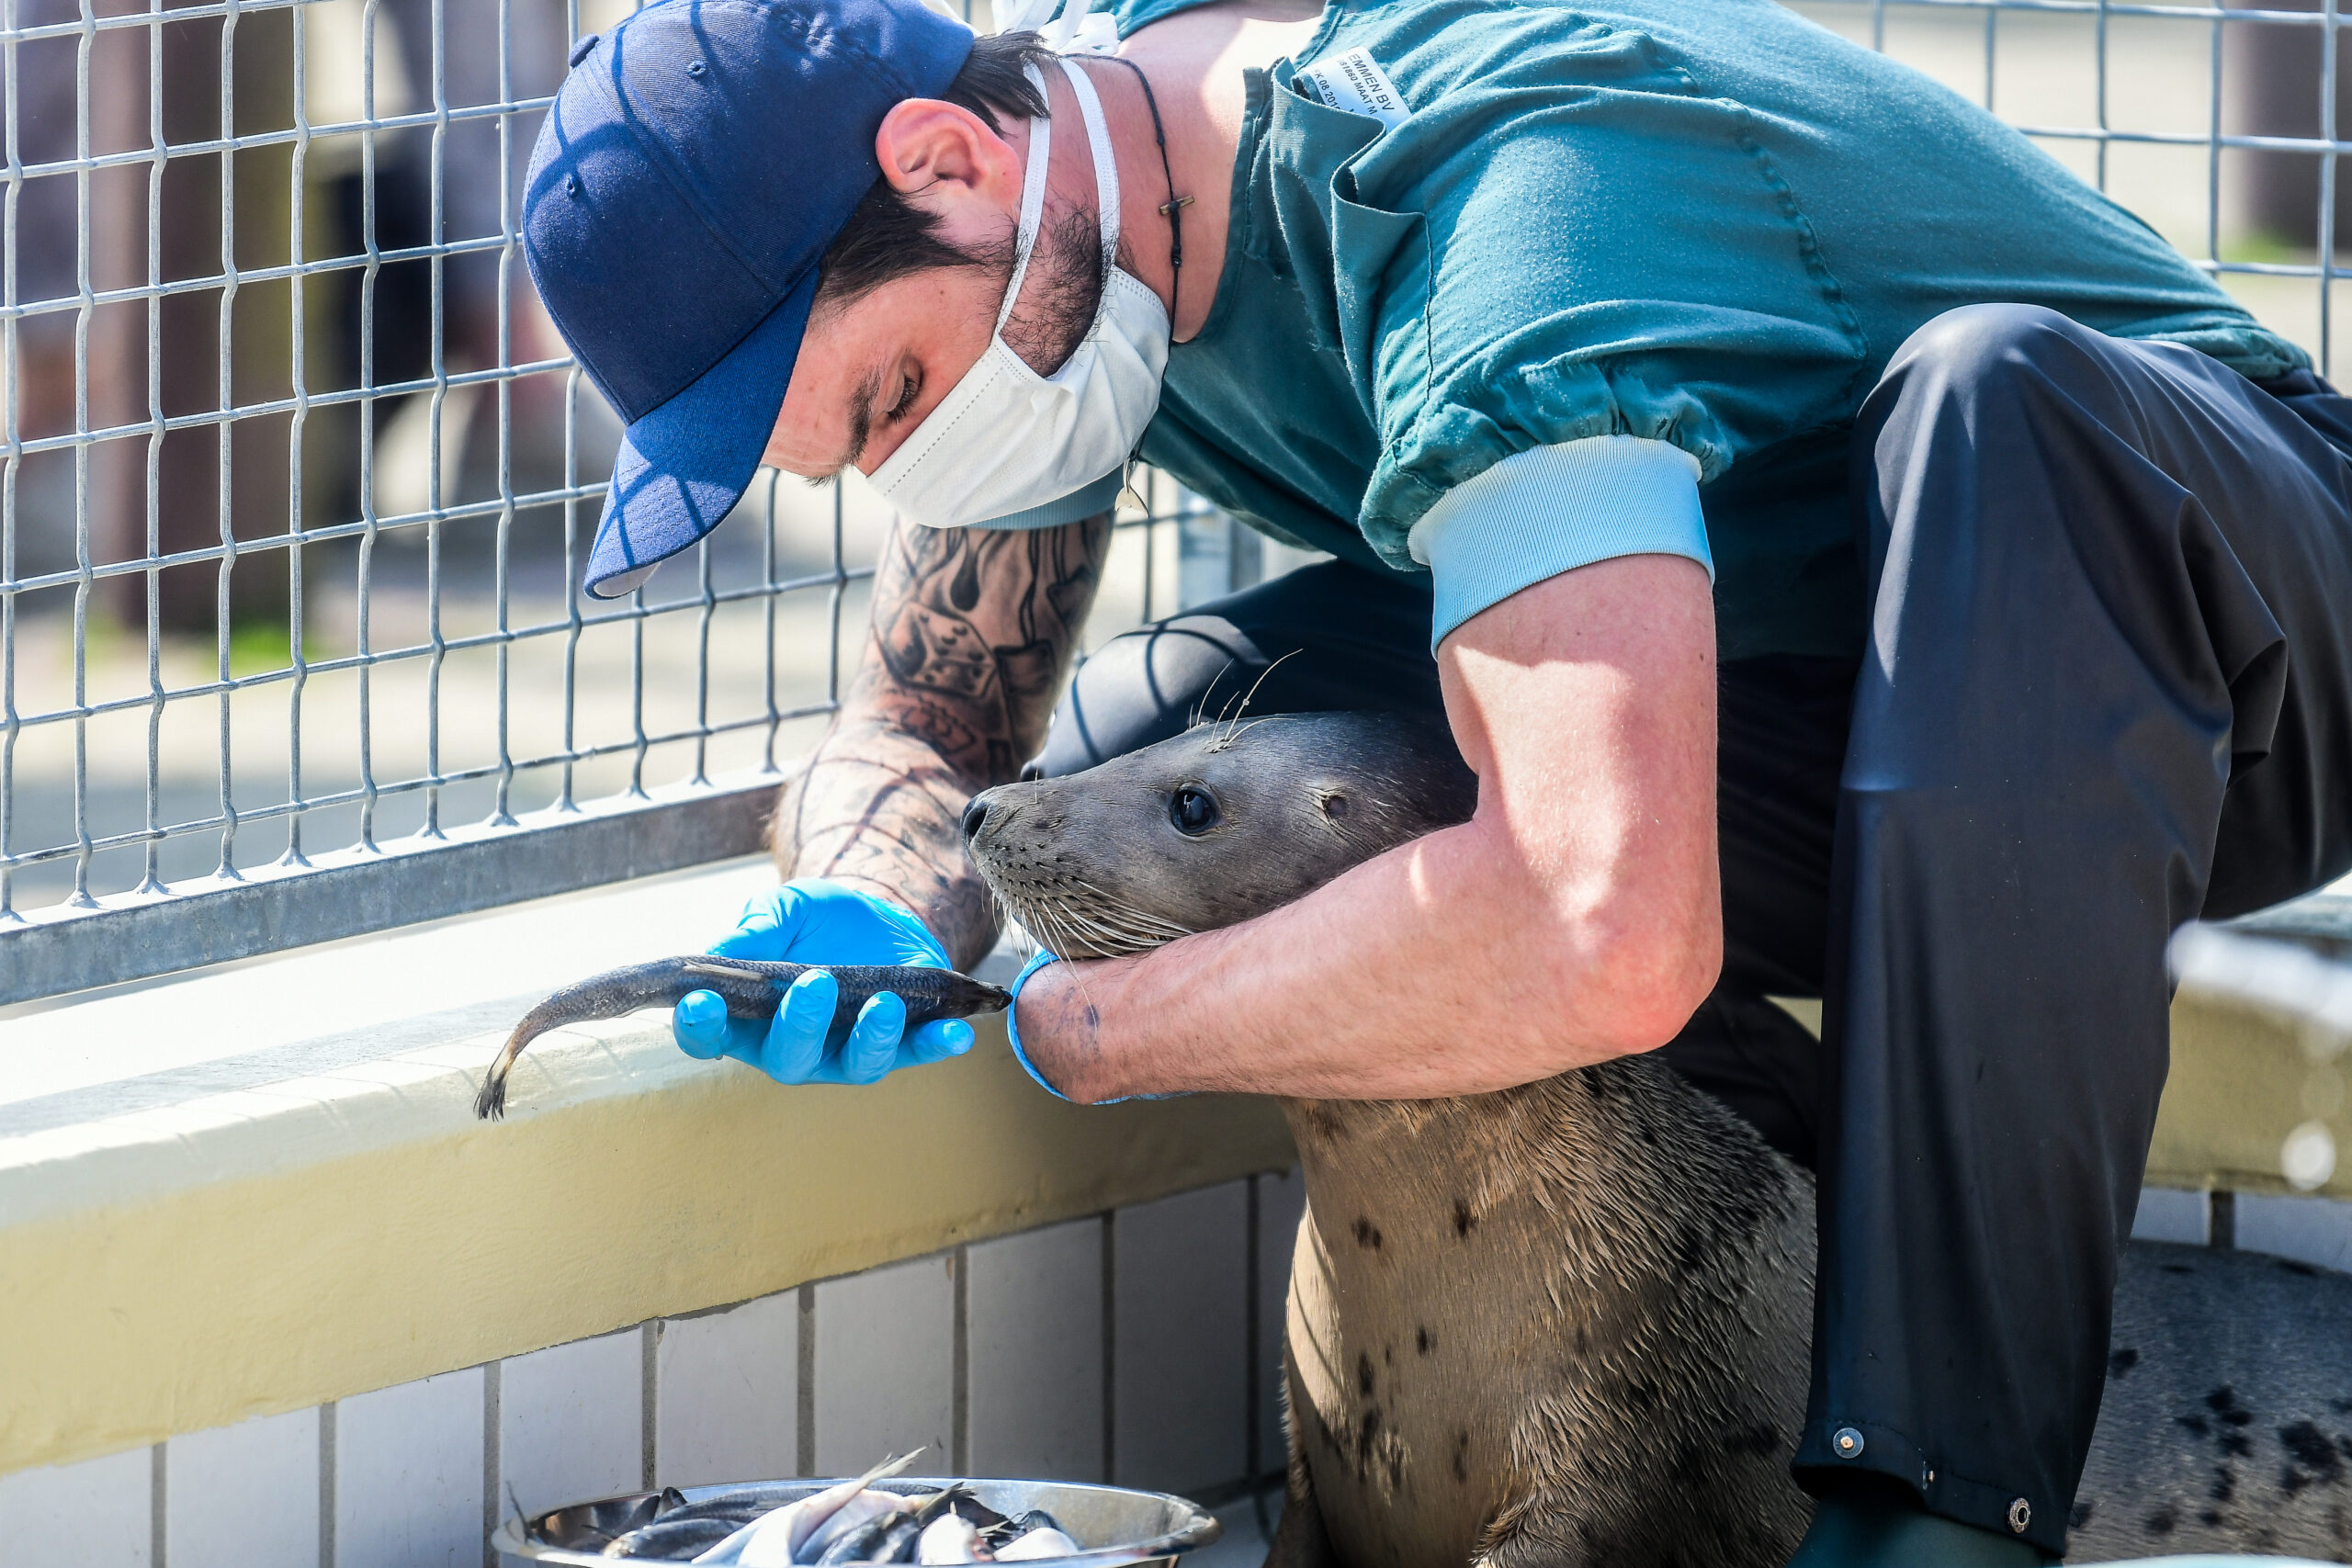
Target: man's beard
<point>1060,294</point>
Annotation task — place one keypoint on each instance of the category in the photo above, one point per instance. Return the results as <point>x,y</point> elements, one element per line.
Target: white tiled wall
<point>244,1497</point>
<point>2168,1214</point>
<point>407,1477</point>
<point>1134,1332</point>
<point>2310,1230</point>
<point>886,1367</point>
<point>1034,1315</point>
<point>1180,1310</point>
<point>99,1513</point>
<point>571,1421</point>
<point>727,1395</point>
<point>408,1474</point>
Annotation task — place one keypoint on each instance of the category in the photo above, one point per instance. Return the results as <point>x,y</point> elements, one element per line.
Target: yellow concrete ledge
<point>268,1250</point>
<point>2241,1081</point>
<point>178,1253</point>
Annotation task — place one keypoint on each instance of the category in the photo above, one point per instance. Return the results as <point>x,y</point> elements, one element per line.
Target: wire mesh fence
<point>2219,126</point>
<point>298,481</point>
<point>298,478</point>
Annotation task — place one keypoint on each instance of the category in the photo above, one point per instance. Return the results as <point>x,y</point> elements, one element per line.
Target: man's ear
<point>941,151</point>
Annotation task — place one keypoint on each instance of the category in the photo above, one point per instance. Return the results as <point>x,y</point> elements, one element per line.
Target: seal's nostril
<point>975,816</point>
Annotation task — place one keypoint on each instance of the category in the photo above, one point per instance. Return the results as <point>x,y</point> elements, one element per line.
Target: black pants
<point>2105,691</point>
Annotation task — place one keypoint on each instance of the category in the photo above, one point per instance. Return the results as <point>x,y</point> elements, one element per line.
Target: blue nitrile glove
<point>1012,1033</point>
<point>816,921</point>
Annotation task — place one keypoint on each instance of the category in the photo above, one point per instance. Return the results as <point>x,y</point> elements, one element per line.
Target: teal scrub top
<point>1705,222</point>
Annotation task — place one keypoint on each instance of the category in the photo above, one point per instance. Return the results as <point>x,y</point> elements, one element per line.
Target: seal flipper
<point>1300,1540</point>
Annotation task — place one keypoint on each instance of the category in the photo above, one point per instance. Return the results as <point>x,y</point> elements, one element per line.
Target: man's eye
<point>906,397</point>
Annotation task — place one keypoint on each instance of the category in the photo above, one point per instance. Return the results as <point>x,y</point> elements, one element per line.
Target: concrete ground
<point>1250,1524</point>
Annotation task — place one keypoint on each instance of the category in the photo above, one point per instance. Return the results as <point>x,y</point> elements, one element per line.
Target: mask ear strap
<point>1033,201</point>
<point>1106,168</point>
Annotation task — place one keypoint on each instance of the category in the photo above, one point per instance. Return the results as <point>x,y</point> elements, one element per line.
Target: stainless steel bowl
<point>1133,1526</point>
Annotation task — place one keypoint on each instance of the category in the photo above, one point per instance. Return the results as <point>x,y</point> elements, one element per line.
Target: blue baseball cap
<point>693,171</point>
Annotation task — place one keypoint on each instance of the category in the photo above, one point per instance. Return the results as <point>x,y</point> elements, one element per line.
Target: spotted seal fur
<point>1567,1323</point>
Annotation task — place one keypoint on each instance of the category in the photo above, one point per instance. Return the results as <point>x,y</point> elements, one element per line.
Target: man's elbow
<point>1640,985</point>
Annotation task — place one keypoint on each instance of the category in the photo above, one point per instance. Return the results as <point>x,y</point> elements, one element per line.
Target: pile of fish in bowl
<point>870,1519</point>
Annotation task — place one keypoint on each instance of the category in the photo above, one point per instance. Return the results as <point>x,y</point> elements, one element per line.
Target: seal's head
<point>1224,822</point>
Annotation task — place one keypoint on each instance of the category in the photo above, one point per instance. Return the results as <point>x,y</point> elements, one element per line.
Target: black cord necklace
<point>1174,207</point>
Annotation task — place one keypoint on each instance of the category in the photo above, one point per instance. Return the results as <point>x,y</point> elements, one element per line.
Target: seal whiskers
<point>1127,926</point>
<point>1107,927</point>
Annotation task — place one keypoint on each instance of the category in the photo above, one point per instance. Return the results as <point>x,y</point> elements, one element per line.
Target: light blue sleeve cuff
<point>1074,507</point>
<point>1551,509</point>
<point>1038,960</point>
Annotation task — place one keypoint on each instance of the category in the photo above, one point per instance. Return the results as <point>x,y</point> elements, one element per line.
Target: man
<point>1858,561</point>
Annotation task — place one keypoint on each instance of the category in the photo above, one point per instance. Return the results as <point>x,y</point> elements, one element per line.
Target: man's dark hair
<point>887,237</point>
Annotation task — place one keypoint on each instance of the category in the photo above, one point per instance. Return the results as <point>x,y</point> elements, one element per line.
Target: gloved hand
<point>816,922</point>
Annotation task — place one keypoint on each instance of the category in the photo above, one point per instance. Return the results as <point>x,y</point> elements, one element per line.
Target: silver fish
<point>890,1537</point>
<point>672,1539</point>
<point>1039,1545</point>
<point>949,1538</point>
<point>858,1512</point>
<point>753,989</point>
<point>775,1539</point>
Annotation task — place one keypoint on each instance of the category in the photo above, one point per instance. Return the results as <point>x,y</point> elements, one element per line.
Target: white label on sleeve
<point>1353,82</point>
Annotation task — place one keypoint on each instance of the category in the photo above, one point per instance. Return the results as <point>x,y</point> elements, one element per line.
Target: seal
<point>1569,1322</point>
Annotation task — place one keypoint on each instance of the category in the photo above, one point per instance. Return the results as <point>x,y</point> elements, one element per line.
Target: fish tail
<point>490,1104</point>
<point>612,995</point>
<point>888,1467</point>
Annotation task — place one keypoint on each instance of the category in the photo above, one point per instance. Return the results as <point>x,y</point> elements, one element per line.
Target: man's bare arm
<point>973,632</point>
<point>1577,915</point>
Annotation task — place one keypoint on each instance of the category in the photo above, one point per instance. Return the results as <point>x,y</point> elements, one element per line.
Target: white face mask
<point>1005,438</point>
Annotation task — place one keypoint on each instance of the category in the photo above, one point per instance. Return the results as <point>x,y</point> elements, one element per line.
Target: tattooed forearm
<point>973,632</point>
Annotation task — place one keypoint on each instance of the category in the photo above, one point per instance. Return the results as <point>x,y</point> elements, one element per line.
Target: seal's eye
<point>1194,811</point>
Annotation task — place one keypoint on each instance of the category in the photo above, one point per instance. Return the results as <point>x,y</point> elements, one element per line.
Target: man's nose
<point>975,816</point>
